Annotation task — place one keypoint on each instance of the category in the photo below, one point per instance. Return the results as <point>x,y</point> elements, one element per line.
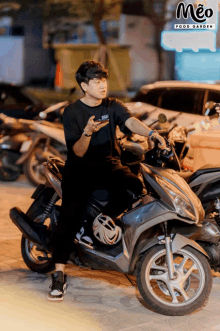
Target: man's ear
<point>84,86</point>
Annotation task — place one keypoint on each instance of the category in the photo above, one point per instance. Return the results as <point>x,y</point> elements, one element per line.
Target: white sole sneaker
<point>58,297</point>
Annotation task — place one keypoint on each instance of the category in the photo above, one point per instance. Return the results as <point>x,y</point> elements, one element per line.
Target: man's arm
<point>140,128</point>
<point>82,145</point>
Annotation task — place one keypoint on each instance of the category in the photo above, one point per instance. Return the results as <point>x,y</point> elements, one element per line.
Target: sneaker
<point>84,239</point>
<point>58,287</point>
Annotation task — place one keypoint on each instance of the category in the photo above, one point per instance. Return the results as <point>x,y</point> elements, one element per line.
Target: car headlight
<point>182,204</point>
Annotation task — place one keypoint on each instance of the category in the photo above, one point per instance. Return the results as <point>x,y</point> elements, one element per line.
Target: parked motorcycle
<point>14,134</point>
<point>22,149</point>
<point>163,239</point>
<point>47,141</point>
<point>205,182</point>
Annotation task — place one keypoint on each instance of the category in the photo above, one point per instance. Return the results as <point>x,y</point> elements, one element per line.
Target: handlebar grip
<point>153,138</point>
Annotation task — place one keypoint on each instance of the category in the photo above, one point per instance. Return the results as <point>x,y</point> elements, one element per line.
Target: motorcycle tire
<point>32,263</point>
<point>9,174</point>
<point>171,297</point>
<point>29,250</point>
<point>36,177</point>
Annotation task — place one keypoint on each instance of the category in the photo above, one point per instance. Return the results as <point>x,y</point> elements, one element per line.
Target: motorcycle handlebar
<point>190,130</point>
<point>166,150</point>
<point>172,127</point>
<point>43,114</point>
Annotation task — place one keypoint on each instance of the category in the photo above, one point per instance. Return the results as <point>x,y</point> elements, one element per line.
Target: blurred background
<point>43,42</point>
<point>153,67</point>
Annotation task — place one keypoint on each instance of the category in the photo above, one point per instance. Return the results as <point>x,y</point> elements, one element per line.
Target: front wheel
<point>183,295</point>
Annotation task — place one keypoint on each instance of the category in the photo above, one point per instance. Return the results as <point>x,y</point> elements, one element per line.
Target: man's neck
<point>90,101</point>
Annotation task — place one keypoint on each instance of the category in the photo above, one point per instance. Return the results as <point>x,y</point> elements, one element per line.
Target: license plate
<point>25,146</point>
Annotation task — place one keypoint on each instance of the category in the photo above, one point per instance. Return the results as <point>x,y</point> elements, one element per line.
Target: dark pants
<point>76,190</point>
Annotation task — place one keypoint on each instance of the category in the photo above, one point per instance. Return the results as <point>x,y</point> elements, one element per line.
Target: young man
<point>93,159</point>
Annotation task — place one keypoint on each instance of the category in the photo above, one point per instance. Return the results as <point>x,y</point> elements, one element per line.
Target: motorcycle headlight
<point>181,203</point>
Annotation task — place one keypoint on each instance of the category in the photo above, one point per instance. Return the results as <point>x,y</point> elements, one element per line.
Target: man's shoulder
<point>71,109</point>
<point>113,102</point>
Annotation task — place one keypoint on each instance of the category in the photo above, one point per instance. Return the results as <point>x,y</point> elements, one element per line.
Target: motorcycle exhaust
<point>32,231</point>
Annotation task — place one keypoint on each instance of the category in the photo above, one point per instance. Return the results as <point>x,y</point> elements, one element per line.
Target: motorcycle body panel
<point>206,184</point>
<point>208,232</point>
<point>36,141</point>
<point>13,142</point>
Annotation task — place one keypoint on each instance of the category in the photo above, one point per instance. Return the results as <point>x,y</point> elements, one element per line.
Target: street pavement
<point>95,300</point>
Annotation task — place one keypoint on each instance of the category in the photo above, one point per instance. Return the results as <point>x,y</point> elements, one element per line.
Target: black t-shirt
<point>103,142</point>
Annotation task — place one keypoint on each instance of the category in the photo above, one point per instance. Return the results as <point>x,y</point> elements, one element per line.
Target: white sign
<point>193,40</point>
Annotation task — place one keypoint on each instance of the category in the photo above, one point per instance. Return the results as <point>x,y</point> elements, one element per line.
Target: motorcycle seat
<point>189,176</point>
<point>204,170</point>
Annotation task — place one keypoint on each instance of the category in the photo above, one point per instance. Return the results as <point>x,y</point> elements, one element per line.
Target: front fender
<point>178,242</point>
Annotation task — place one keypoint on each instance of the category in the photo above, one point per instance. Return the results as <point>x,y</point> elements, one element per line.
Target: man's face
<point>96,88</point>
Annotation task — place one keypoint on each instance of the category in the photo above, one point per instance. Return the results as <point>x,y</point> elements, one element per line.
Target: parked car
<point>185,101</point>
<point>18,102</point>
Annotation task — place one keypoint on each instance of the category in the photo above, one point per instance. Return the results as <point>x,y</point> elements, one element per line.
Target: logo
<point>203,16</point>
<point>105,117</point>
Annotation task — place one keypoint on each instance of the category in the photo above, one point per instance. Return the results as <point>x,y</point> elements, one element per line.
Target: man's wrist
<point>87,133</point>
<point>152,132</point>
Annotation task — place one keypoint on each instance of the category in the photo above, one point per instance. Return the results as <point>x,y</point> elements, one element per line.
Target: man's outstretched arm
<point>136,126</point>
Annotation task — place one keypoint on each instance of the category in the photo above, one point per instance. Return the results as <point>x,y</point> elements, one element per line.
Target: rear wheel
<point>9,171</point>
<point>33,257</point>
<point>189,290</point>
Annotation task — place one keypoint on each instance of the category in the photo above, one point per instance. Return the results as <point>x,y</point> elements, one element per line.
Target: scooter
<point>23,149</point>
<point>163,238</point>
<point>14,134</point>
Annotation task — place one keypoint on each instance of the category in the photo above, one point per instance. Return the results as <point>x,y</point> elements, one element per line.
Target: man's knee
<point>134,184</point>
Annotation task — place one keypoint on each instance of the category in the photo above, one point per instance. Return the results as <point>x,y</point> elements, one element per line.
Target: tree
<point>93,11</point>
<point>160,12</point>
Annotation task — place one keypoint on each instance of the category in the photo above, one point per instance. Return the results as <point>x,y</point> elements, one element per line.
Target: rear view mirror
<point>209,105</point>
<point>162,118</point>
<point>210,108</point>
<point>42,115</point>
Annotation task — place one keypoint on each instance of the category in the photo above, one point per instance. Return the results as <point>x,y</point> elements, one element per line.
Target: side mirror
<point>209,104</point>
<point>210,108</point>
<point>42,115</point>
<point>162,118</point>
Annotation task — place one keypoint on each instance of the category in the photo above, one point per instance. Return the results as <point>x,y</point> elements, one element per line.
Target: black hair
<point>89,70</point>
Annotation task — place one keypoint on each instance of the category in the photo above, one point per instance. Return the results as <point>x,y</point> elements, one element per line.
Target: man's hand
<point>162,141</point>
<point>94,126</point>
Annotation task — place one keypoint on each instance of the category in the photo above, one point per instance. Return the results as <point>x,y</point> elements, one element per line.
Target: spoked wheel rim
<point>32,250</point>
<point>188,283</point>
